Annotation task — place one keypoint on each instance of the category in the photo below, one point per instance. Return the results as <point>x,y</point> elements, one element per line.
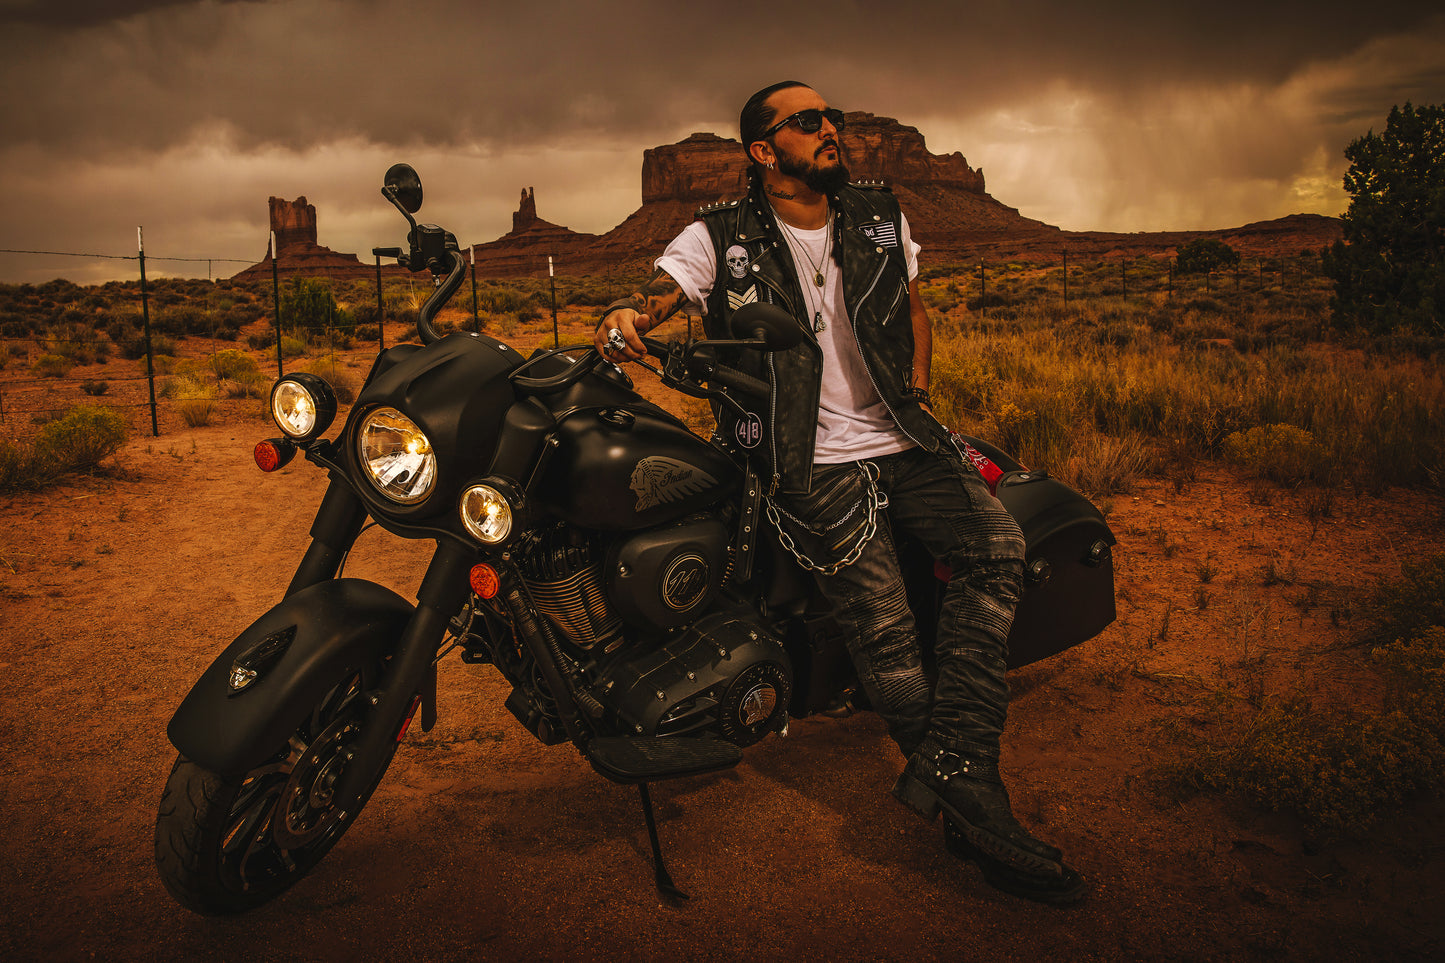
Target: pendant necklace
<point>819,268</point>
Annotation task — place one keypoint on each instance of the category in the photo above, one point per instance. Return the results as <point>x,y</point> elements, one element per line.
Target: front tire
<point>226,845</point>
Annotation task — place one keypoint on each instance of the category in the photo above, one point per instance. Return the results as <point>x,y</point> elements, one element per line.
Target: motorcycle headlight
<point>303,405</point>
<point>396,456</point>
<point>486,513</point>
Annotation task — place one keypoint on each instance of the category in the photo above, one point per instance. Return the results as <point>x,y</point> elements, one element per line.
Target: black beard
<point>820,180</point>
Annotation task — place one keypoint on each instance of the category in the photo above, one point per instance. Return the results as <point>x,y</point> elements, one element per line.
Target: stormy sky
<point>185,115</point>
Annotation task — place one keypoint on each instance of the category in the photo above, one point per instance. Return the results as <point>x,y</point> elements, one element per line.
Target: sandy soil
<point>116,591</point>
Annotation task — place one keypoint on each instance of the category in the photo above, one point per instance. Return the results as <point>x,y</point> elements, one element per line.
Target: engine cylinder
<point>563,575</point>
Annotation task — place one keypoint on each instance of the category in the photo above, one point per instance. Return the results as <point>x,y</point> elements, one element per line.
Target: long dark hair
<point>757,116</point>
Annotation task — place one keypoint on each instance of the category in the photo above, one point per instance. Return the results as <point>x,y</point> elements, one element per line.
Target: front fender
<point>339,625</point>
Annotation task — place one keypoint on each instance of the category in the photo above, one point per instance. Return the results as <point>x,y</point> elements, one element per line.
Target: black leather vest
<point>755,264</point>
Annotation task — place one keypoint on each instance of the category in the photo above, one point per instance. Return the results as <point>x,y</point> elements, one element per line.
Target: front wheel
<point>226,845</point>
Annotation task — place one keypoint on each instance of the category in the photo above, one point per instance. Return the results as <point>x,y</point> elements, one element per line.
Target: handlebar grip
<point>733,379</point>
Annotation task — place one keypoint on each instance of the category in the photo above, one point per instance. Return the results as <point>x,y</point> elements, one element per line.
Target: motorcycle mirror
<point>768,323</point>
<point>403,185</point>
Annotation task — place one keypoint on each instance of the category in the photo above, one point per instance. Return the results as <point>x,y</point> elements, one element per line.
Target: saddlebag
<point>1068,568</point>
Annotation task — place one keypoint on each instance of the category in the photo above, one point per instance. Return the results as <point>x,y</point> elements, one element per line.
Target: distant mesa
<point>297,253</point>
<point>949,210</point>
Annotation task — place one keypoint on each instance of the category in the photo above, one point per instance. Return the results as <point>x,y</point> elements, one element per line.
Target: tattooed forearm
<point>659,297</point>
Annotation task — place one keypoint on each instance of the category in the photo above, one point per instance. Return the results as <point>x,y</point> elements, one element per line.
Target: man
<point>850,431</point>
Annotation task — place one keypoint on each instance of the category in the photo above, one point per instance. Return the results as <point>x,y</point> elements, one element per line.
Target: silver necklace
<point>819,268</point>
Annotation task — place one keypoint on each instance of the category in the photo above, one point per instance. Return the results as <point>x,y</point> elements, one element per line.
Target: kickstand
<point>664,881</point>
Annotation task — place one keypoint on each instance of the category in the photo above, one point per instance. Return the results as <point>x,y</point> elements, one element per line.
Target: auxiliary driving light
<point>486,513</point>
<point>303,405</point>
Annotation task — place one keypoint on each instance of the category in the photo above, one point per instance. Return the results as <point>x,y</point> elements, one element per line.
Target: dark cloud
<point>1113,115</point>
<point>455,72</point>
<point>80,13</point>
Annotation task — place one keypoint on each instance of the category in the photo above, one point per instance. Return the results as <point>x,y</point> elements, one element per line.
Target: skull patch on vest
<point>737,261</point>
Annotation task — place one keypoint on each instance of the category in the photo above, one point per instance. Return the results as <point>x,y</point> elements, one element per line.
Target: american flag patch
<point>884,235</point>
<point>737,299</point>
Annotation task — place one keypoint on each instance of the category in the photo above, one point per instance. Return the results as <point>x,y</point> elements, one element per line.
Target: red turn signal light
<point>485,581</point>
<point>274,453</point>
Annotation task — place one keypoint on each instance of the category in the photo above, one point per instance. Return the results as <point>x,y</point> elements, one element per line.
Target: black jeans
<point>943,502</point>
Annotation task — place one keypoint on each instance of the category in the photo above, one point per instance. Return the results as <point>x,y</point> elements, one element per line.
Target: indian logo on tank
<point>659,480</point>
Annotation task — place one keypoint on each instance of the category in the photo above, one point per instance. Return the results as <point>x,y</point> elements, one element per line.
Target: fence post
<point>1123,276</point>
<point>380,316</point>
<point>1066,279</point>
<point>1170,262</point>
<point>276,300</point>
<point>476,321</point>
<point>145,314</point>
<point>552,277</point>
<point>982,292</point>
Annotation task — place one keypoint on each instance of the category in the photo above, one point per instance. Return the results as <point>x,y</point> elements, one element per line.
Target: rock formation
<point>944,199</point>
<point>950,213</point>
<point>524,250</point>
<point>297,253</point>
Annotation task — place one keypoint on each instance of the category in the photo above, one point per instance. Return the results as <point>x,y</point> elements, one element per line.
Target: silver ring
<point>615,341</point>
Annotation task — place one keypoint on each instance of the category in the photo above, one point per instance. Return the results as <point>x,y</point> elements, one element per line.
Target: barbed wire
<point>131,257</point>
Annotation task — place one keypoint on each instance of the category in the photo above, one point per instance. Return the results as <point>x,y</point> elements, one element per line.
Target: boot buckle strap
<point>948,763</point>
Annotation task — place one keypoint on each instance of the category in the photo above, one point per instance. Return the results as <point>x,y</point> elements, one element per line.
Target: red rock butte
<point>950,213</point>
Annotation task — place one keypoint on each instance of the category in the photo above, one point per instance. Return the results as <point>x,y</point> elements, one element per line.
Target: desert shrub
<point>368,332</point>
<point>1339,768</point>
<point>179,321</point>
<point>364,313</point>
<point>76,441</point>
<point>292,347</point>
<point>52,366</point>
<point>1413,603</point>
<point>14,325</point>
<point>261,340</point>
<point>95,388</point>
<point>1282,453</point>
<point>195,399</point>
<point>234,365</point>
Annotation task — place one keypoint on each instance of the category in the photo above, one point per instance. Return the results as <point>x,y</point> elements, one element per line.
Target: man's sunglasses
<point>809,121</point>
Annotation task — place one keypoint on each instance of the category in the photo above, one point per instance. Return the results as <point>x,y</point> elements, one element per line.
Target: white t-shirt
<point>853,422</point>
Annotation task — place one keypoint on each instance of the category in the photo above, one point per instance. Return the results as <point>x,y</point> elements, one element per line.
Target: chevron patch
<point>737,299</point>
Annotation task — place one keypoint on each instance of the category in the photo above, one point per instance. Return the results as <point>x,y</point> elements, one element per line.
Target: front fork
<point>413,668</point>
<point>338,522</point>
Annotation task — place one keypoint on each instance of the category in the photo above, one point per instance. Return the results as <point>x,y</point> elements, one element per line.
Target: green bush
<point>77,441</point>
<point>1282,453</point>
<point>95,388</point>
<point>234,365</point>
<point>52,366</point>
<point>84,436</point>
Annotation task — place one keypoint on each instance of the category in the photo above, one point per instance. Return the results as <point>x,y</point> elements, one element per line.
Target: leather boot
<point>979,825</point>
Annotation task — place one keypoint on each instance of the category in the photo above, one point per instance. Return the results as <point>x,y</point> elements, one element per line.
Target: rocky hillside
<point>948,207</point>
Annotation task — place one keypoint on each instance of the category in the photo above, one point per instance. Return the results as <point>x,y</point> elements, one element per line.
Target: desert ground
<point>118,589</point>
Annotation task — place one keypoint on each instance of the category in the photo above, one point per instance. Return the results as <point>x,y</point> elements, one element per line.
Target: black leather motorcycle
<point>614,567</point>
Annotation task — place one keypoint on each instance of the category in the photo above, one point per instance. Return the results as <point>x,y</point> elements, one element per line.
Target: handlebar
<point>424,327</point>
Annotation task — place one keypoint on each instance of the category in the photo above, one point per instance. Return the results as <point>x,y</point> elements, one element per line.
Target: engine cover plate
<point>725,675</point>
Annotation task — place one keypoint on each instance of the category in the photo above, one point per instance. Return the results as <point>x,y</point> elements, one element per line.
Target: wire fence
<point>167,352</point>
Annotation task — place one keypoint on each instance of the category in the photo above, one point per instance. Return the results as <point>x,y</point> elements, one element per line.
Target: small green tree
<point>1388,269</point>
<point>1204,255</point>
<point>308,303</point>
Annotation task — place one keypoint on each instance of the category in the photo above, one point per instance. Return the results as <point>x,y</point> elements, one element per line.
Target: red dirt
<point>481,843</point>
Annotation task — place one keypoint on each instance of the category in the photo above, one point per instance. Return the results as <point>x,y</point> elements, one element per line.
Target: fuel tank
<point>621,468</point>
